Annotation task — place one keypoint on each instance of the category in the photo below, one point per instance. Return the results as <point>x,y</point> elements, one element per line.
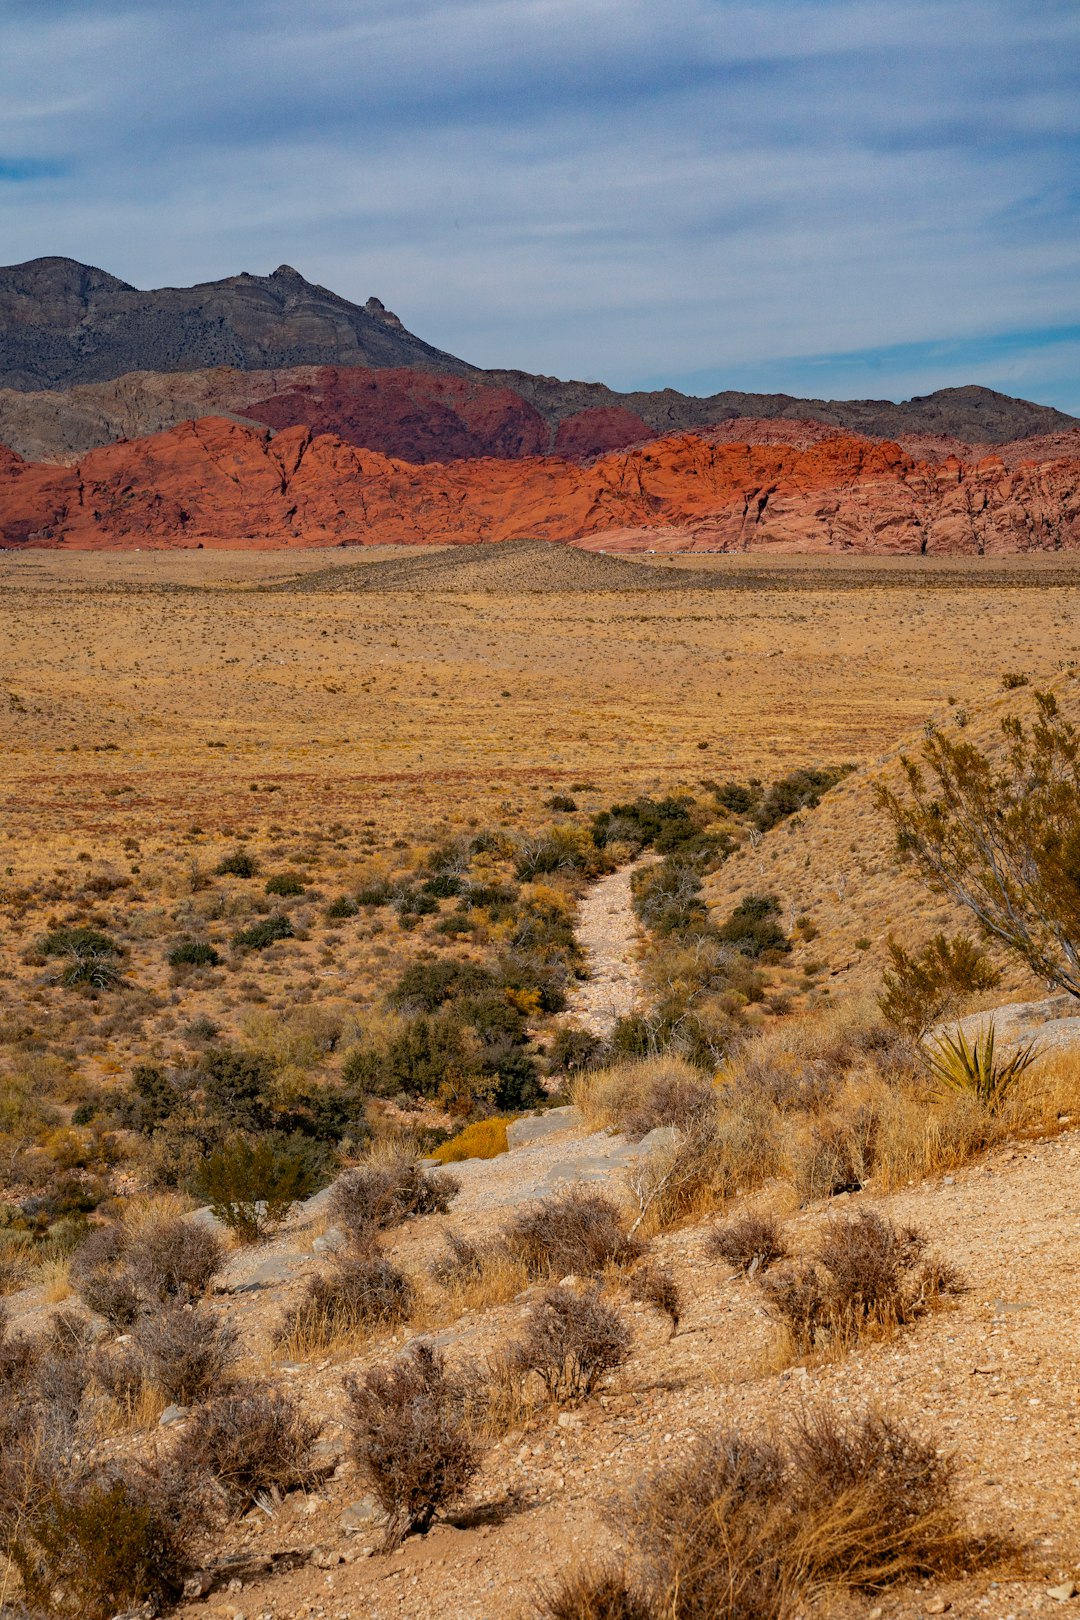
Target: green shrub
<point>344,906</point>
<point>560,801</point>
<point>426,986</point>
<point>802,790</point>
<point>373,894</point>
<point>193,953</point>
<point>263,933</point>
<point>752,927</point>
<point>238,864</point>
<point>444,885</point>
<point>920,990</point>
<point>78,942</point>
<point>285,884</point>
<point>251,1187</point>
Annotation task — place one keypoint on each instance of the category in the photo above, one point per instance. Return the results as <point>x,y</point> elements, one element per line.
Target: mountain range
<point>117,406</point>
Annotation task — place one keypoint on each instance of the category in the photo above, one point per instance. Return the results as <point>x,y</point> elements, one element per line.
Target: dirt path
<point>609,934</point>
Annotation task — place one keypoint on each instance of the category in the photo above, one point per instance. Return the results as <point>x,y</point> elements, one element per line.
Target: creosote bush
<point>105,1538</point>
<point>918,991</point>
<point>578,1233</point>
<point>267,931</point>
<point>251,1439</point>
<point>238,863</point>
<point>193,953</point>
<point>252,1186</point>
<point>409,1438</point>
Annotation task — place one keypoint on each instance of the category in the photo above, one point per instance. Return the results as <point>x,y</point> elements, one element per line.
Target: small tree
<point>1003,837</point>
<point>251,1187</point>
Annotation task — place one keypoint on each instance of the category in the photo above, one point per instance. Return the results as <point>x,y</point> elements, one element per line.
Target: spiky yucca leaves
<point>974,1068</point>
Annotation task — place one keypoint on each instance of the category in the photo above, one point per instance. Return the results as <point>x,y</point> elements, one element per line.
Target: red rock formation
<point>219,483</point>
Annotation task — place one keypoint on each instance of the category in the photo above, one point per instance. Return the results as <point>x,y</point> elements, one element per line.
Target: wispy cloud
<point>627,189</point>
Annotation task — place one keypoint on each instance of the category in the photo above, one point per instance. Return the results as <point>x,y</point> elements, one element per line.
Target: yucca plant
<point>973,1068</point>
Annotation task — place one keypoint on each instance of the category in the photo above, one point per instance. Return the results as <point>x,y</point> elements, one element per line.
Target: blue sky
<point>833,197</point>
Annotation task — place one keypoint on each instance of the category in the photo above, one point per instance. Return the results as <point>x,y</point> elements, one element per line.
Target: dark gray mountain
<point>64,323</point>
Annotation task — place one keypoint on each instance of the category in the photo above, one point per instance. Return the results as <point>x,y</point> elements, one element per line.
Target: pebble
<point>1067,1590</point>
<point>172,1414</point>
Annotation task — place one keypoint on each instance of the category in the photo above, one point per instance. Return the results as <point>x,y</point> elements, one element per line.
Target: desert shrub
<point>484,1139</point>
<point>78,942</point>
<point>663,823</point>
<point>558,849</point>
<point>267,931</point>
<point>573,1050</point>
<point>188,1351</point>
<point>752,1243</point>
<point>1001,834</point>
<point>378,1195</point>
<point>886,1495</point>
<point>409,1439</point>
<point>868,1276</point>
<point>723,1152</point>
<point>579,1233</point>
<point>101,1277</point>
<point>920,990</point>
<point>657,1286</point>
<point>149,1100</point>
<point>669,898</point>
<point>975,1070</point>
<point>109,1538</point>
<point>373,894</point>
<point>175,1260</point>
<point>252,1186</point>
<point>591,1595</point>
<point>752,927</point>
<point>801,790</point>
<point>675,1096</point>
<point>462,1260</point>
<point>427,986</point>
<point>496,898</point>
<point>444,885</point>
<point>840,1153</point>
<point>251,1439</point>
<point>413,903</point>
<point>358,1294</point>
<point>746,1528</point>
<point>238,864</point>
<point>341,907</point>
<point>237,1083</point>
<point>1012,680</point>
<point>193,953</point>
<point>560,801</point>
<point>285,884</point>
<point>18,1355</point>
<point>571,1343</point>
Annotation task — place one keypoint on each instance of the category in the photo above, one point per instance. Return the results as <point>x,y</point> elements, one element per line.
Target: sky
<point>840,198</point>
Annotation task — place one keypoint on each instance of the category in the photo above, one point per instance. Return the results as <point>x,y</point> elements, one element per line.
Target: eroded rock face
<point>220,483</point>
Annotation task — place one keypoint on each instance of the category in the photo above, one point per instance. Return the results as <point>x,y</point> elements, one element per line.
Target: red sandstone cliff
<point>220,483</point>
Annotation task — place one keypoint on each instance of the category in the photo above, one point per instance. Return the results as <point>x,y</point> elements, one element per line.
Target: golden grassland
<point>156,708</point>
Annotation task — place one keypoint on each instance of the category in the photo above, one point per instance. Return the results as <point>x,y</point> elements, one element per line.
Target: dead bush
<point>874,1501</point>
<point>579,1233</point>
<point>18,1355</point>
<point>100,1276</point>
<point>175,1260</point>
<point>841,1154</point>
<point>251,1439</point>
<point>572,1342</point>
<point>375,1197</point>
<point>726,1151</point>
<point>710,1534</point>
<point>747,1528</point>
<point>359,1294</point>
<point>107,1539</point>
<point>868,1276</point>
<point>656,1286</point>
<point>188,1352</point>
<point>461,1262</point>
<point>676,1096</point>
<point>409,1438</point>
<point>751,1243</point>
<point>589,1595</point>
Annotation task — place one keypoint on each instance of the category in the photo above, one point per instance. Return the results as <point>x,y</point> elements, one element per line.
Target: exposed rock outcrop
<point>221,483</point>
